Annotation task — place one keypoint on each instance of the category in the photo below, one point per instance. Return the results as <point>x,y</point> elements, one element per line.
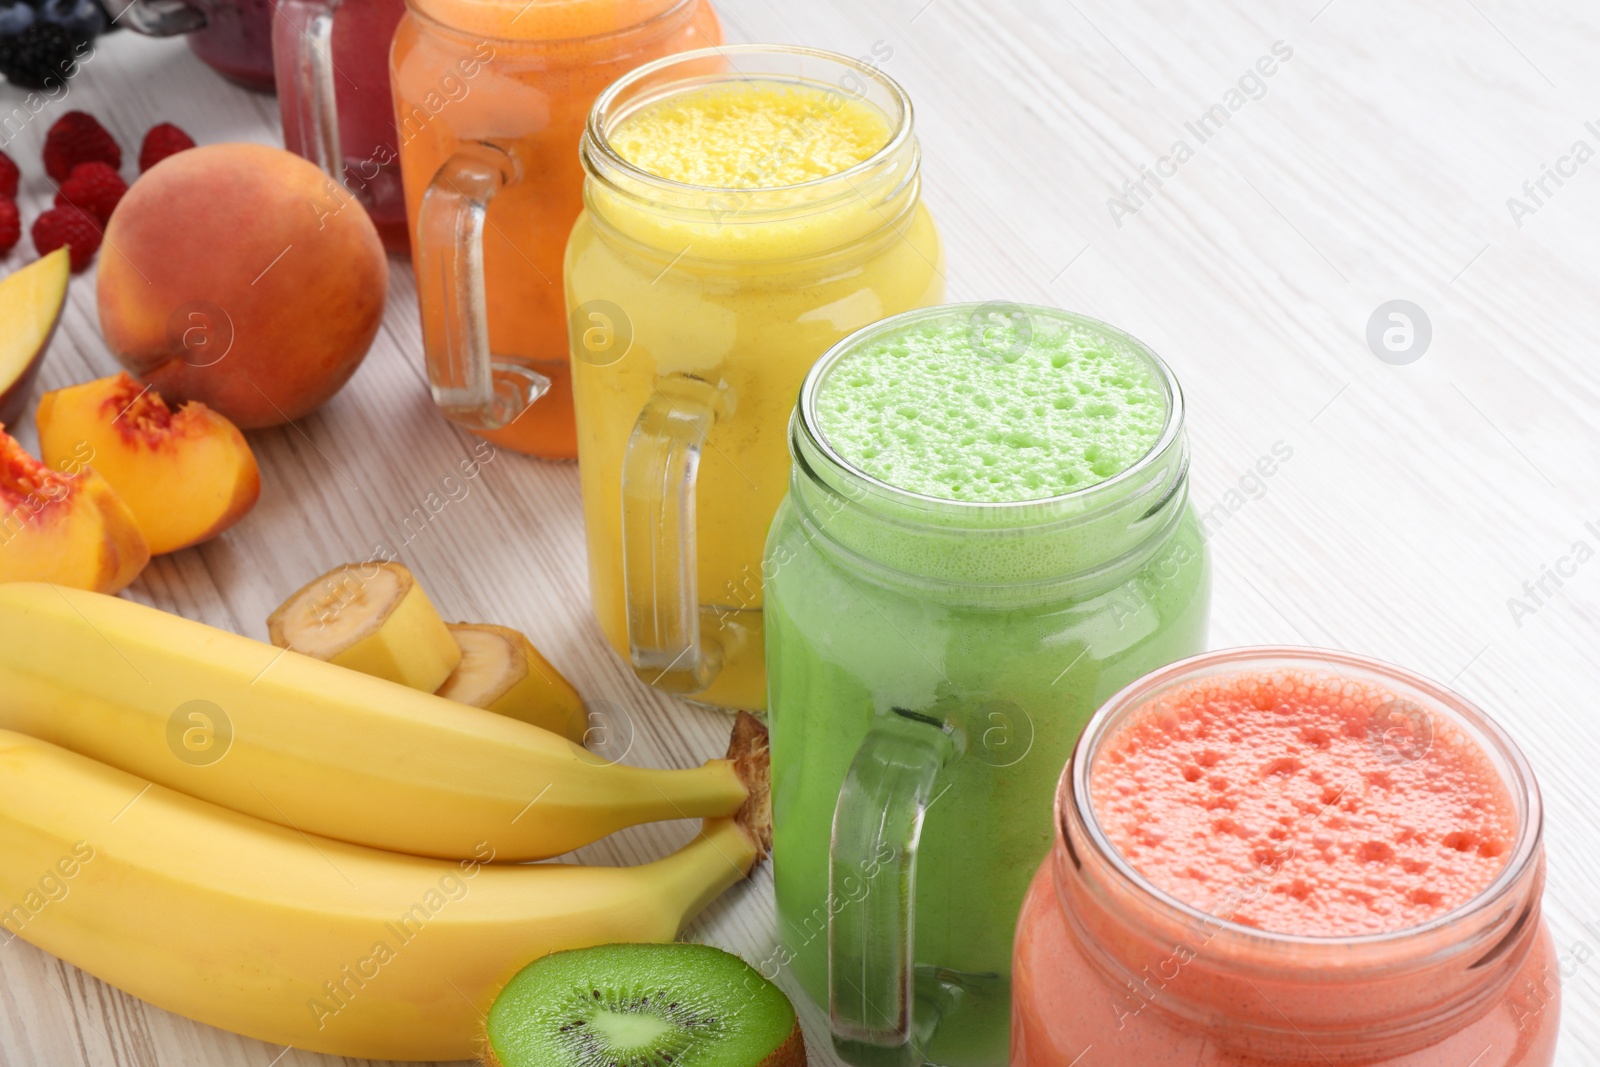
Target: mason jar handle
<point>472,387</point>
<point>872,887</point>
<point>660,571</point>
<point>302,48</point>
<point>160,18</point>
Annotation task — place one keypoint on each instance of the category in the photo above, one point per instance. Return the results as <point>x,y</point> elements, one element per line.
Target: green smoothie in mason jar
<point>987,534</point>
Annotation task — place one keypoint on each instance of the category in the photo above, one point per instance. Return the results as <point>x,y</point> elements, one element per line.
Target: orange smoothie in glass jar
<point>1287,856</point>
<point>491,97</point>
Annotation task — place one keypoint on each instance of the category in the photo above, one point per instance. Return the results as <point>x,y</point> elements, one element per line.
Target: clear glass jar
<point>695,314</point>
<point>332,64</point>
<point>1107,962</point>
<point>490,105</point>
<point>931,663</point>
<point>233,37</point>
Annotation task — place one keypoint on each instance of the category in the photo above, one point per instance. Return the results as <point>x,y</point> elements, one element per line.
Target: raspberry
<point>69,226</point>
<point>162,141</point>
<point>10,176</point>
<point>77,137</point>
<point>10,226</point>
<point>95,188</point>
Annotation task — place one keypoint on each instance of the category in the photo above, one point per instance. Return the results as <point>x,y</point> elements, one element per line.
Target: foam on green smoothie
<point>1001,408</point>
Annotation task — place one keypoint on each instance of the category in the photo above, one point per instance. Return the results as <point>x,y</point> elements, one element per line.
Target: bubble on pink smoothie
<point>1015,406</point>
<point>1303,803</point>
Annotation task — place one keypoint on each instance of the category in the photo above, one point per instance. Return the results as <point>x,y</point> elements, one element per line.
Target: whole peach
<point>241,276</point>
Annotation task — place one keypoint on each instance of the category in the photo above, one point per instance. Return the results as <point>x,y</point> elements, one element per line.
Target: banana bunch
<point>243,832</point>
<point>311,745</point>
<point>299,940</point>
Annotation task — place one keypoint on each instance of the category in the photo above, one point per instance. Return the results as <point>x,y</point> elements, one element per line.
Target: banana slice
<point>372,618</point>
<point>502,671</point>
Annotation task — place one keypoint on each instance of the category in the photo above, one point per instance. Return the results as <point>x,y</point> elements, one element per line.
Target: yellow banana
<point>379,623</point>
<point>299,940</point>
<point>502,671</point>
<point>319,748</point>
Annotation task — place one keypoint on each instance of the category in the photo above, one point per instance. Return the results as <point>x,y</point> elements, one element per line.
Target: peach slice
<point>186,475</point>
<point>64,526</point>
<point>31,299</point>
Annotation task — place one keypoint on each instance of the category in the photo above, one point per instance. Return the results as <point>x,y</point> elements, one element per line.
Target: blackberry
<point>38,57</point>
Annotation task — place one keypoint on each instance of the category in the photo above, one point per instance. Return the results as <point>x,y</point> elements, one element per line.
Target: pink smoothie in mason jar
<point>236,41</point>
<point>332,61</point>
<point>1279,856</point>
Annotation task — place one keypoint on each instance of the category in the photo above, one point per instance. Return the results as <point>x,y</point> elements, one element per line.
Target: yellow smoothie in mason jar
<point>751,135</point>
<point>743,226</point>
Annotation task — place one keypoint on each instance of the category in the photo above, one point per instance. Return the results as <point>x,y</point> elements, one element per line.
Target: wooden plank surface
<point>1373,164</point>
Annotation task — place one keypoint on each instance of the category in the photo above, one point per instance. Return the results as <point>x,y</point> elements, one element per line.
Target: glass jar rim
<point>1073,792</point>
<point>597,135</point>
<point>415,9</point>
<point>1081,500</point>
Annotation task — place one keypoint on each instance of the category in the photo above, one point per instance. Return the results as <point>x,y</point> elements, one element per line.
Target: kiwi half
<point>642,1006</point>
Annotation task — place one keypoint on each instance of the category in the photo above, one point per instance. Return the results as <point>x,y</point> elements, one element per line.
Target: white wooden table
<point>1374,164</point>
